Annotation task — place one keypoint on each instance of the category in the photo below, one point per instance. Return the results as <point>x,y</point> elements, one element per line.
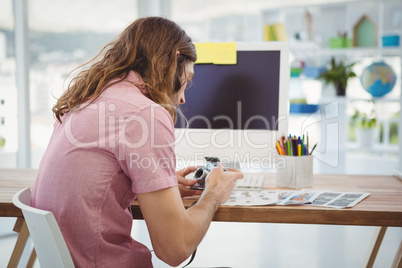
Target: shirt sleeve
<point>146,149</point>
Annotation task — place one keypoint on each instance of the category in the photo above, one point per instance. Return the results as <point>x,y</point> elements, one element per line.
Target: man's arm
<point>176,232</point>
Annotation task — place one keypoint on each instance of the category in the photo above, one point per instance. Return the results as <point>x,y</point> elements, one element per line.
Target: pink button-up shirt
<point>95,163</point>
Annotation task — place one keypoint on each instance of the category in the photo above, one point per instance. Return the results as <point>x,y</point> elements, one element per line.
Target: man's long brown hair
<point>149,47</point>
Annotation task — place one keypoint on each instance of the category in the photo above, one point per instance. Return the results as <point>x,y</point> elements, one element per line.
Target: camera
<point>202,172</point>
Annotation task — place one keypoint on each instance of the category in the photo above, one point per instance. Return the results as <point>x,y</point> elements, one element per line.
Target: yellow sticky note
<point>216,53</point>
<point>204,52</point>
<point>225,53</point>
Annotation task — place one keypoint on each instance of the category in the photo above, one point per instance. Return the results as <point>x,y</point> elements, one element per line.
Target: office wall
<point>63,35</point>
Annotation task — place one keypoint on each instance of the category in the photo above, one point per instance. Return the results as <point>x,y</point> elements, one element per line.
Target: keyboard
<point>250,182</point>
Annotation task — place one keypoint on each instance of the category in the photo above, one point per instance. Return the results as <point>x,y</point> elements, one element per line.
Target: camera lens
<point>199,173</point>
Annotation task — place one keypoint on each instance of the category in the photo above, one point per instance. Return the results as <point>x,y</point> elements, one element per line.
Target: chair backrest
<point>46,236</point>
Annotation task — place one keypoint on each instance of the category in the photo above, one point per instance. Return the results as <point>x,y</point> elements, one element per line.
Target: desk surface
<point>11,181</point>
<point>382,208</point>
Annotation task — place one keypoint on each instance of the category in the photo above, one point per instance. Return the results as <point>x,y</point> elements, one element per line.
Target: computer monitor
<point>236,112</point>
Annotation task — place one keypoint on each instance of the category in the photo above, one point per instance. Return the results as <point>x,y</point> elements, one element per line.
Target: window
<point>64,35</point>
<point>8,91</point>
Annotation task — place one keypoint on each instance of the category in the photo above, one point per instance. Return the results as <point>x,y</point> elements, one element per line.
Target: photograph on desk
<point>300,198</point>
<point>252,198</point>
<point>284,195</point>
<point>341,200</point>
<point>325,198</point>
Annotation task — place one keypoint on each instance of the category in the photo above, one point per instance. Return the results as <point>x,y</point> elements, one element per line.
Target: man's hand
<point>184,184</point>
<point>220,183</point>
<point>175,231</point>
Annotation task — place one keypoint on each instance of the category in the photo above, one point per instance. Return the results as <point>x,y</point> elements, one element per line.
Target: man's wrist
<point>211,200</point>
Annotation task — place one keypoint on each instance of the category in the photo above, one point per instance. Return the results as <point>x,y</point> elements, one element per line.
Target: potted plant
<point>338,75</point>
<point>365,128</point>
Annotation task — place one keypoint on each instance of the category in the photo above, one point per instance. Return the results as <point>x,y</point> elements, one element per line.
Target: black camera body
<point>202,172</point>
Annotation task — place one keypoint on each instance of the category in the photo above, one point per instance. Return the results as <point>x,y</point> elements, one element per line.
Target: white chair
<point>51,249</point>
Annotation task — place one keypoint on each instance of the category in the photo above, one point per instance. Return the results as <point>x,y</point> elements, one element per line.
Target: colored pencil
<point>315,145</point>
<point>299,147</point>
<point>278,148</point>
<point>281,144</point>
<point>294,146</point>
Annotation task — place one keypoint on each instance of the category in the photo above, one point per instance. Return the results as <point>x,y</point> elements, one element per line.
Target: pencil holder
<point>294,171</point>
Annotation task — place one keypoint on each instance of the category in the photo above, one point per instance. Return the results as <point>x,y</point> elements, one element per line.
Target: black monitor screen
<point>240,96</point>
